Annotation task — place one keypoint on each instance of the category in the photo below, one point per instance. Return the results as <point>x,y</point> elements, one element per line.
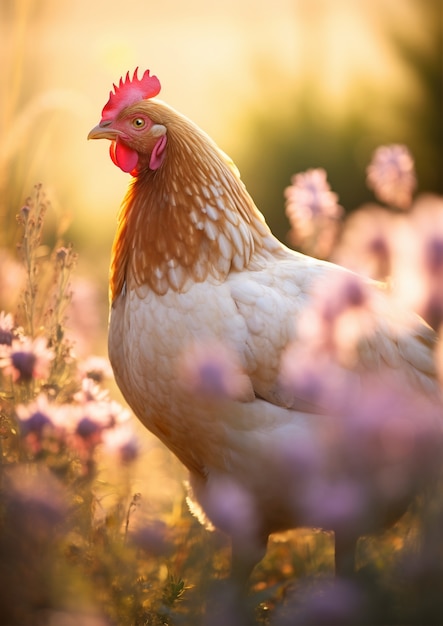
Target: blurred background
<point>281,86</point>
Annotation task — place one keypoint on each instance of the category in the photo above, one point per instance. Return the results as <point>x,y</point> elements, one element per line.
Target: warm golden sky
<point>214,59</point>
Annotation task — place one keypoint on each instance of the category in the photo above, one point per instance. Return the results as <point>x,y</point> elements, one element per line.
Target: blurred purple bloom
<point>90,392</point>
<point>340,503</point>
<point>96,368</point>
<point>24,362</point>
<point>87,428</point>
<point>391,175</point>
<point>39,424</point>
<point>380,444</point>
<point>153,537</point>
<point>122,441</point>
<point>213,371</point>
<point>313,212</point>
<point>327,602</point>
<point>36,416</point>
<point>367,241</point>
<point>417,275</point>
<point>35,424</point>
<point>228,505</point>
<point>27,359</point>
<point>310,196</point>
<point>340,315</point>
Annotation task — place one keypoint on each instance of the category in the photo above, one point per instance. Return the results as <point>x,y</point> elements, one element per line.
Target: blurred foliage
<point>304,134</point>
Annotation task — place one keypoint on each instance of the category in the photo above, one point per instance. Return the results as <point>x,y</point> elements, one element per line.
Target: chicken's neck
<point>188,221</point>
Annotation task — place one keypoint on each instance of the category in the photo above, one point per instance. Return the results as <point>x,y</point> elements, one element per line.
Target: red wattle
<point>123,156</point>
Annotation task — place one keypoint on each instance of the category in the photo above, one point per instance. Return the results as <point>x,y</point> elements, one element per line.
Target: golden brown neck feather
<point>190,219</point>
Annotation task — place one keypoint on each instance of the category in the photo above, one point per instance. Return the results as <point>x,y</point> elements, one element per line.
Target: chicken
<point>195,265</point>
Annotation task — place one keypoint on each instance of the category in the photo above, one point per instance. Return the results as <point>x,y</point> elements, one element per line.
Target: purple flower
<point>121,441</point>
<point>327,602</point>
<point>214,371</point>
<point>391,175</point>
<point>37,420</point>
<point>310,196</point>
<point>340,315</point>
<point>23,362</point>
<point>417,268</point>
<point>153,537</point>
<point>91,392</point>
<point>368,240</point>
<point>87,428</point>
<point>27,359</point>
<point>36,423</point>
<point>313,212</point>
<point>96,368</point>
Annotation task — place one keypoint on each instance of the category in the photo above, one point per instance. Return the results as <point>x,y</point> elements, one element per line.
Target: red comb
<point>130,91</point>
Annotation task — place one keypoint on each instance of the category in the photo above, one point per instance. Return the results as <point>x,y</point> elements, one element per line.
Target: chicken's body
<point>194,262</point>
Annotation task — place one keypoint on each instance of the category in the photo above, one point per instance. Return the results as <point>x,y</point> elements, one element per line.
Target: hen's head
<point>137,141</point>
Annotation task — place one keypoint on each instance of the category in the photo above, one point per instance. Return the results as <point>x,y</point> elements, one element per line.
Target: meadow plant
<point>384,455</point>
<point>74,547</point>
<point>65,556</point>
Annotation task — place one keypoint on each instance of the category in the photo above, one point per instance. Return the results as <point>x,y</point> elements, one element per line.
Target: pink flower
<point>417,275</point>
<point>36,416</point>
<point>95,415</point>
<point>391,175</point>
<point>313,212</point>
<point>27,359</point>
<point>39,424</point>
<point>340,315</point>
<point>122,442</point>
<point>212,370</point>
<point>91,392</point>
<point>96,368</point>
<point>368,241</point>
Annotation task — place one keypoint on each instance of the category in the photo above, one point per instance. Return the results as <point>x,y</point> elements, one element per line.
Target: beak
<point>102,131</point>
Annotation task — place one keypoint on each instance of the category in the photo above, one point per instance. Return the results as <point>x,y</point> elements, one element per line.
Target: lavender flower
<point>39,426</point>
<point>368,241</point>
<point>418,261</point>
<point>98,420</point>
<point>122,442</point>
<point>36,417</point>
<point>341,313</point>
<point>91,392</point>
<point>27,359</point>
<point>213,370</point>
<point>391,175</point>
<point>332,602</point>
<point>383,445</point>
<point>96,368</point>
<point>313,212</point>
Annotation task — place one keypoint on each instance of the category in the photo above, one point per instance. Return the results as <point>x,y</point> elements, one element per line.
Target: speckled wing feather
<point>271,302</point>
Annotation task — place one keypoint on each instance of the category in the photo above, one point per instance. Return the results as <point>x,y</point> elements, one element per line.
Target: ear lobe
<point>158,153</point>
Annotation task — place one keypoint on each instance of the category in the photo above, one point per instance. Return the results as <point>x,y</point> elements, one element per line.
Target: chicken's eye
<point>138,122</point>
